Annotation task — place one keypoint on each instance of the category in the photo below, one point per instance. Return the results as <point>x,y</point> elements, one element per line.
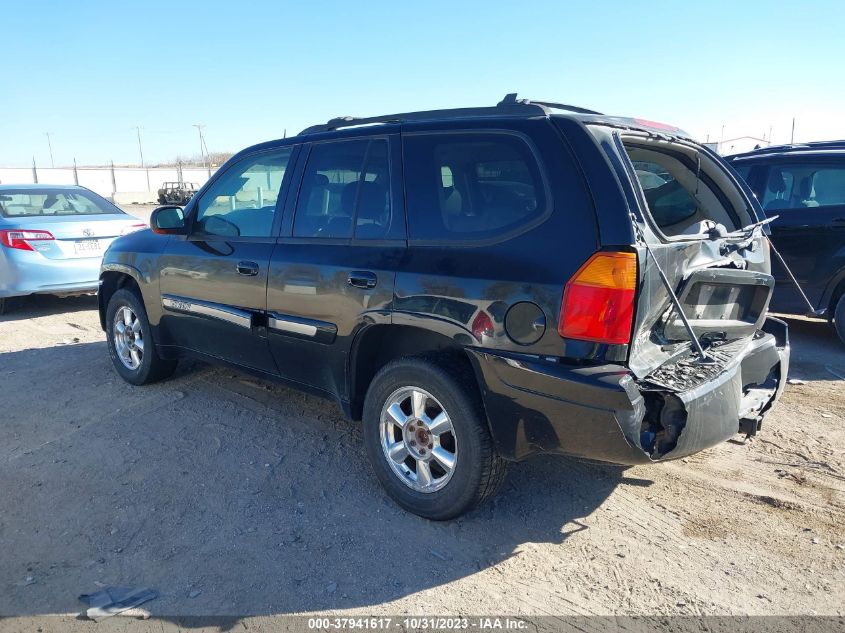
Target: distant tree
<point>214,159</point>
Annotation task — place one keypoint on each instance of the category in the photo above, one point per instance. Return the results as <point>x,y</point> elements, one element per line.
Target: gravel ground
<point>233,496</point>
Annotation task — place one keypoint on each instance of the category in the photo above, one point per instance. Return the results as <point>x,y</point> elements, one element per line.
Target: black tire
<point>478,470</point>
<point>839,318</point>
<point>152,367</point>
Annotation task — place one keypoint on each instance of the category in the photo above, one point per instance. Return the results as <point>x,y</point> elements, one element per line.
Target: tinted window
<point>470,186</point>
<point>668,201</point>
<point>743,169</point>
<point>346,185</point>
<point>804,185</point>
<point>49,202</point>
<point>242,201</point>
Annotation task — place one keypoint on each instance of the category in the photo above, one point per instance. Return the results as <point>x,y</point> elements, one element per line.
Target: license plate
<point>87,246</point>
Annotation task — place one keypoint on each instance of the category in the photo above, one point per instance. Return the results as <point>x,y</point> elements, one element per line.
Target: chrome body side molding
<point>235,316</point>
<point>311,329</point>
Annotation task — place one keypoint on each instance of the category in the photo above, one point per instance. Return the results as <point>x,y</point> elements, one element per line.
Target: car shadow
<point>817,353</point>
<point>22,308</point>
<point>233,497</point>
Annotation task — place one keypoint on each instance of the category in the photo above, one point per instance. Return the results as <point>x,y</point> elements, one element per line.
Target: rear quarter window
<point>471,186</point>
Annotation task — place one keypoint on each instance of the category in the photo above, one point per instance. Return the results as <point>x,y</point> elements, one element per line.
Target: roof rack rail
<point>510,105</point>
<point>796,147</point>
<point>511,99</point>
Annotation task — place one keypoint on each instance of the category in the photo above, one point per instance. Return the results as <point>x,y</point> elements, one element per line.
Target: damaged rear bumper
<point>605,413</point>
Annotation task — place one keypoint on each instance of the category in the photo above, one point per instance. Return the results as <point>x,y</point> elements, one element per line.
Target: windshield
<point>49,202</point>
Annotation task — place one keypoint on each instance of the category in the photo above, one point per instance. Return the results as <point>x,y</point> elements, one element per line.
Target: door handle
<point>362,279</point>
<point>250,269</point>
<point>838,223</point>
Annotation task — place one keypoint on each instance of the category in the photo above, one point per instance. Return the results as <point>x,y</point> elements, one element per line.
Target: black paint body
<point>307,318</point>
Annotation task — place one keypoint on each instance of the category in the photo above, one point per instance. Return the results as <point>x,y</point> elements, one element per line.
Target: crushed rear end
<point>709,360</point>
<point>703,360</point>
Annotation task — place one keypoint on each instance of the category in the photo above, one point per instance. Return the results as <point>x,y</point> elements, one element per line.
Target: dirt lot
<point>232,496</point>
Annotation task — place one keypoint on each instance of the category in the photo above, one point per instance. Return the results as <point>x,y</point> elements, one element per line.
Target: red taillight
<point>132,228</point>
<point>598,302</point>
<point>20,238</point>
<point>482,325</point>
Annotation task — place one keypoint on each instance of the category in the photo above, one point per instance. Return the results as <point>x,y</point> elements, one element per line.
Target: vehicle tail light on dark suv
<point>20,238</point>
<point>598,301</point>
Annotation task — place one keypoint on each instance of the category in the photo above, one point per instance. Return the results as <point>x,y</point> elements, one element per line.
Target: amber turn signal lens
<point>598,301</point>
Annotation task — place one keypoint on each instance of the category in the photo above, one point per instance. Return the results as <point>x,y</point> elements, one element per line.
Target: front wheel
<point>130,341</point>
<point>427,438</point>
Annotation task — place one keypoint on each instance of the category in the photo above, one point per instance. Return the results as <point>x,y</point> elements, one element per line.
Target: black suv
<point>477,285</point>
<point>804,186</point>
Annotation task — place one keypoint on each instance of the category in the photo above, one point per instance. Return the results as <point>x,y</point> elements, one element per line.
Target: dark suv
<point>477,285</point>
<point>804,186</point>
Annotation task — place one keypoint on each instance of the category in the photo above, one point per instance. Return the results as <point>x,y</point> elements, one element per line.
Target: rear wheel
<point>130,341</point>
<point>839,318</point>
<point>427,439</point>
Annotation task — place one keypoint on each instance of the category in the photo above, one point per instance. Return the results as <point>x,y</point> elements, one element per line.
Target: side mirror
<point>168,220</point>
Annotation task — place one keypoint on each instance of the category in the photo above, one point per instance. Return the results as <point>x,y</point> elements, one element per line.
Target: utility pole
<point>140,149</point>
<point>50,145</point>
<point>199,127</point>
<point>792,136</point>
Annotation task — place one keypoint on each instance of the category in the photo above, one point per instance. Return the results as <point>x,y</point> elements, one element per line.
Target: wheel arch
<point>835,289</point>
<point>377,345</point>
<point>113,278</point>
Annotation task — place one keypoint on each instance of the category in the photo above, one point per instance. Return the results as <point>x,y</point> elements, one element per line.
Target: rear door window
<point>804,185</point>
<point>471,186</point>
<point>345,191</point>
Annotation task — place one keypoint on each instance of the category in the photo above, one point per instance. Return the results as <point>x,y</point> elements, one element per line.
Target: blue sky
<point>89,72</point>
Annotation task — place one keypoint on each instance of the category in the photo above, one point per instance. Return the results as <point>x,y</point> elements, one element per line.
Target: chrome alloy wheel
<point>128,338</point>
<point>418,439</point>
